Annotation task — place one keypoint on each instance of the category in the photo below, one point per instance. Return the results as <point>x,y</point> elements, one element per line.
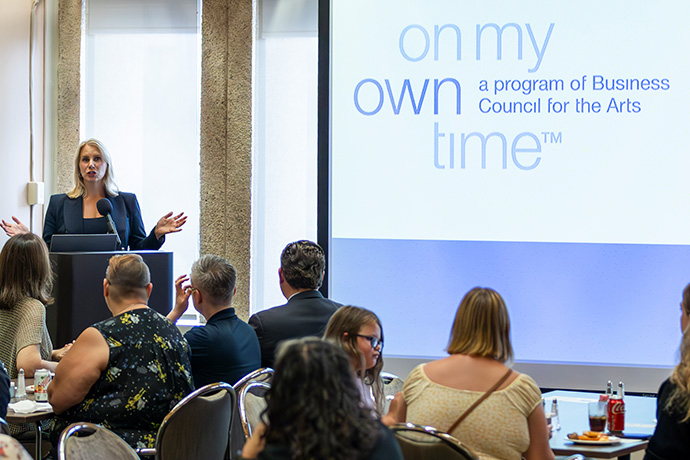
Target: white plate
<point>610,440</point>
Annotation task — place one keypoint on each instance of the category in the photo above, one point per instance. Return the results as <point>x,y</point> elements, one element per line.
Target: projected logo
<point>440,99</point>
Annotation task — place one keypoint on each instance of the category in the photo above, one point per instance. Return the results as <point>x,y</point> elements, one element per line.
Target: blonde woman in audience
<point>510,422</point>
<point>358,331</point>
<point>25,287</point>
<point>671,438</point>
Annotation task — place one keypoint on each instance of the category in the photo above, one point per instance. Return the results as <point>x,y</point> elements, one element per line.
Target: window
<point>141,98</point>
<point>285,145</point>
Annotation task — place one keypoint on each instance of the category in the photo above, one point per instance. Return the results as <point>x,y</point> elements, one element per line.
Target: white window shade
<point>281,18</point>
<point>136,16</point>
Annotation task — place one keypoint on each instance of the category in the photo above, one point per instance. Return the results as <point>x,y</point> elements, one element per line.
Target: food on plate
<point>588,436</point>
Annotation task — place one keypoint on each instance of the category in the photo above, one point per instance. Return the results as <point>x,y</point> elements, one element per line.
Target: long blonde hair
<point>79,189</point>
<point>679,399</point>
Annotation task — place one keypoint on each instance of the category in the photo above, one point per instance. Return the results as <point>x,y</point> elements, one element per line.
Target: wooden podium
<point>78,291</point>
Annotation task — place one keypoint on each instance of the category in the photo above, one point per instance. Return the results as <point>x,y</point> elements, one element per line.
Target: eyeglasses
<point>374,341</point>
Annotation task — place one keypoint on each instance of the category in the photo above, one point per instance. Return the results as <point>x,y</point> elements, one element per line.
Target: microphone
<point>105,209</point>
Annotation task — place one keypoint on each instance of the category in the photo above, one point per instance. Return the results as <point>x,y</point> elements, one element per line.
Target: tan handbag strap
<point>479,401</point>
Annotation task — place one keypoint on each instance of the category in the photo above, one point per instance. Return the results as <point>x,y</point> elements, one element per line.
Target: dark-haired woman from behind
<point>25,287</point>
<point>315,410</point>
<point>671,438</point>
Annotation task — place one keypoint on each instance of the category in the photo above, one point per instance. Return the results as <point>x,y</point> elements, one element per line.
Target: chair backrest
<point>252,403</point>
<point>4,427</point>
<point>426,443</point>
<point>87,441</point>
<point>391,385</point>
<point>265,374</point>
<point>238,435</point>
<point>199,425</point>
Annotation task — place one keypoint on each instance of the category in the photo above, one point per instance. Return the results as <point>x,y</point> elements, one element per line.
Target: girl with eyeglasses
<point>358,331</point>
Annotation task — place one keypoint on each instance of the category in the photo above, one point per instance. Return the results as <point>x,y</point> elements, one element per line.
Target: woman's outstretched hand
<point>14,229</point>
<point>169,224</point>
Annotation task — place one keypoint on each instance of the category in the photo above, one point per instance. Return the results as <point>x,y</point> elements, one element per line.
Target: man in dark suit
<point>306,313</point>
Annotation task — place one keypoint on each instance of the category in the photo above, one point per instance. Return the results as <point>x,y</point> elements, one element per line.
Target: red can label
<point>616,415</point>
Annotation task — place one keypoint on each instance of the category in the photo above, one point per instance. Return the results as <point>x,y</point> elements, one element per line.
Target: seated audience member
<point>314,410</point>
<point>10,449</point>
<point>671,438</point>
<point>510,422</point>
<point>26,283</point>
<point>358,331</point>
<point>226,348</point>
<point>126,372</point>
<point>4,390</point>
<point>306,313</point>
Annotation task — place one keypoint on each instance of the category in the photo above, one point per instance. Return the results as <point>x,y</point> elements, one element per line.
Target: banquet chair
<point>252,404</point>
<point>426,443</point>
<point>265,374</point>
<point>391,385</point>
<point>88,441</point>
<point>198,427</point>
<point>4,427</point>
<point>237,434</point>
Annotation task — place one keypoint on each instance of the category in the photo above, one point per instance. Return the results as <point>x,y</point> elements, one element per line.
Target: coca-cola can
<point>616,414</point>
<point>42,379</point>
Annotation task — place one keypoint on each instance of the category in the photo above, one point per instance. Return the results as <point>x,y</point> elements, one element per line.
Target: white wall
<point>15,160</point>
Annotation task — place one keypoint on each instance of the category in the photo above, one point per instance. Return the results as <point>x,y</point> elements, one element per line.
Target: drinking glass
<point>597,415</point>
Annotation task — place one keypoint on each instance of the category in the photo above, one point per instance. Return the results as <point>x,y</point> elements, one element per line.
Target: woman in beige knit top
<point>510,423</point>
<point>25,287</point>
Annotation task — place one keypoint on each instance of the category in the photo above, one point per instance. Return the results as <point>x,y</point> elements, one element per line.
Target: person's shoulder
<point>666,387</point>
<point>128,197</point>
<point>31,306</point>
<point>526,381</point>
<point>267,313</point>
<point>197,334</point>
<point>152,315</point>
<point>239,325</point>
<point>30,302</point>
<point>415,383</point>
<point>313,298</point>
<point>58,199</point>
<point>523,385</point>
<point>524,393</point>
<point>416,375</point>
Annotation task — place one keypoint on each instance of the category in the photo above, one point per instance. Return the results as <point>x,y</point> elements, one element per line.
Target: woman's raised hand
<point>14,229</point>
<point>169,224</point>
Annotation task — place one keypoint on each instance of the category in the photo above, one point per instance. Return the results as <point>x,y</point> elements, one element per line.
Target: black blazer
<point>65,215</point>
<point>305,314</point>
